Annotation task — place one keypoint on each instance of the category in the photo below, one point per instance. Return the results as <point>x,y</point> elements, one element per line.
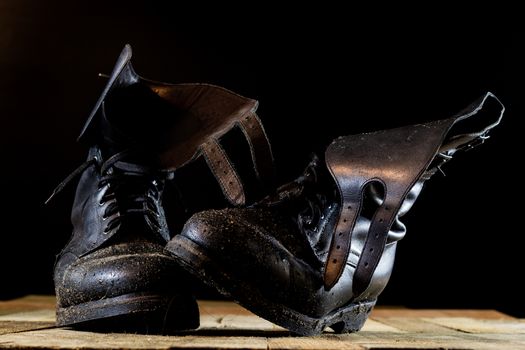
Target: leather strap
<point>262,158</point>
<point>260,148</point>
<point>223,170</point>
<point>397,159</point>
<point>377,235</point>
<point>340,246</point>
<point>199,115</point>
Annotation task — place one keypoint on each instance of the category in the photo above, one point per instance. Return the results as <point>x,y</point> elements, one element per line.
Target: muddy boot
<point>114,273</point>
<point>319,252</point>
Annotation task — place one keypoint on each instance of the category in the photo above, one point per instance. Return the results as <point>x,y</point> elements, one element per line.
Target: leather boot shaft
<point>319,251</point>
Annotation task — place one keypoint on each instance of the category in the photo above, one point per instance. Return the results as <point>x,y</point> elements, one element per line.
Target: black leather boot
<point>114,273</point>
<point>319,252</point>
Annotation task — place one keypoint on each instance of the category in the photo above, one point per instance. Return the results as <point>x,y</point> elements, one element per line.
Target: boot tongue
<point>308,199</point>
<point>134,228</point>
<point>138,212</point>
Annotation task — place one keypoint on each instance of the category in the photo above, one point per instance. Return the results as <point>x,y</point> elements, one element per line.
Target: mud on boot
<point>320,251</point>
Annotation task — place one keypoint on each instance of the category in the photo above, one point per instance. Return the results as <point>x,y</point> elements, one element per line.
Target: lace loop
<point>130,189</point>
<point>307,192</point>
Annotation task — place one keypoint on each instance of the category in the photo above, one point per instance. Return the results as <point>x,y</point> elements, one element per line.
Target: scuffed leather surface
<point>260,247</point>
<point>393,159</point>
<point>185,115</point>
<point>282,245</point>
<point>267,249</point>
<point>173,124</point>
<point>209,112</point>
<point>87,212</point>
<point>98,263</point>
<point>115,270</point>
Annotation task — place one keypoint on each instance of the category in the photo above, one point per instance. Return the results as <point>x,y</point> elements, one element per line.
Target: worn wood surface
<point>29,323</point>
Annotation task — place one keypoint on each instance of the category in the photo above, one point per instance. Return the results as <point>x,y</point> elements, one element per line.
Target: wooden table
<point>29,323</point>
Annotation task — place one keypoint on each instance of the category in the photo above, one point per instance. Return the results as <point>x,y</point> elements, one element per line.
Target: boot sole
<point>194,258</point>
<point>148,313</point>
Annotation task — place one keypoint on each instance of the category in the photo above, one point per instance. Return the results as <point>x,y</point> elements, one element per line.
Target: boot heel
<point>352,318</point>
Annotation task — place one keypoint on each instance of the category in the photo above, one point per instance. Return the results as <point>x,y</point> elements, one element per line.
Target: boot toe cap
<point>117,270</point>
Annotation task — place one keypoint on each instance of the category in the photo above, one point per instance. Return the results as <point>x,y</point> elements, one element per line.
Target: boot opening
<point>138,116</point>
<point>468,130</point>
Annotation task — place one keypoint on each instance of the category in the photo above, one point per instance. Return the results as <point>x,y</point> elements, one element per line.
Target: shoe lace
<point>131,189</point>
<point>307,192</point>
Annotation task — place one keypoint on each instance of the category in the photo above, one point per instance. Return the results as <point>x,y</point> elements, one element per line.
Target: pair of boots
<point>311,254</point>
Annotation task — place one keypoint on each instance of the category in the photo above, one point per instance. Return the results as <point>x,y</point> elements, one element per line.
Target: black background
<point>318,73</point>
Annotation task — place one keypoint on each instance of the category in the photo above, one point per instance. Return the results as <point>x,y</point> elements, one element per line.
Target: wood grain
<point>29,323</point>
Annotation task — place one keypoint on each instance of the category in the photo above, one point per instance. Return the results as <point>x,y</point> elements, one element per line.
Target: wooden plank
<point>421,313</point>
<point>238,325</point>
<point>69,339</point>
<point>518,340</point>
<point>458,340</point>
<point>470,325</point>
<point>375,326</point>
<point>47,316</point>
<point>212,307</point>
<point>33,302</point>
<point>310,343</point>
<point>26,322</point>
<point>30,302</point>
<point>413,325</point>
<point>7,327</point>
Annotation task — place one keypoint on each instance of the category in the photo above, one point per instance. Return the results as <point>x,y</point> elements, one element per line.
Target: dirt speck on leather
<point>306,258</point>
